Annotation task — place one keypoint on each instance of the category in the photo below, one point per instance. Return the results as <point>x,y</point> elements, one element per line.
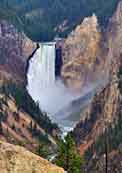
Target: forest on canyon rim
<point>43,20</point>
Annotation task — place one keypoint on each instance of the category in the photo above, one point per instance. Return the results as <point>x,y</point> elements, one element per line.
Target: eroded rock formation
<point>84,55</point>
<point>15,159</point>
<point>15,48</point>
<point>106,105</point>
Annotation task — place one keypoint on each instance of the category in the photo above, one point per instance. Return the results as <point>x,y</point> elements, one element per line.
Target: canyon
<point>91,55</point>
<point>79,88</point>
<point>17,120</point>
<point>83,72</point>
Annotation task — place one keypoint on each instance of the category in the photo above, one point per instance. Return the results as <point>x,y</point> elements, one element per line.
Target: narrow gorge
<point>46,86</point>
<point>64,97</point>
<point>61,86</point>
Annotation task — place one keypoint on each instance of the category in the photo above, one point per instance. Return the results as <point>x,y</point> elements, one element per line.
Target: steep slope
<point>114,163</point>
<point>22,122</point>
<point>106,108</point>
<point>21,119</point>
<point>44,20</point>
<point>82,52</point>
<point>15,159</point>
<point>15,49</point>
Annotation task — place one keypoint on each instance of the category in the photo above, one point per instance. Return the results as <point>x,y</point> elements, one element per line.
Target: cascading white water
<point>52,95</point>
<point>42,68</point>
<point>58,101</point>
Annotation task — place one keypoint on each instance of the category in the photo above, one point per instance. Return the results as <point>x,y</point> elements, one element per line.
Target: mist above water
<point>53,96</point>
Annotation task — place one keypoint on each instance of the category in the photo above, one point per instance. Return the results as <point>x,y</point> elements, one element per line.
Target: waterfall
<point>62,105</point>
<point>42,67</point>
<point>50,93</point>
<point>41,72</point>
<point>46,67</point>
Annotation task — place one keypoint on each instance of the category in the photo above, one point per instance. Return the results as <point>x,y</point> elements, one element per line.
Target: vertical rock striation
<point>15,49</point>
<point>82,52</point>
<point>106,105</point>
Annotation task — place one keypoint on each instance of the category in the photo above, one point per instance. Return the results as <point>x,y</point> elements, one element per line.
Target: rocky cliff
<point>84,53</point>
<point>15,159</point>
<point>114,163</point>
<point>19,124</point>
<point>15,48</point>
<point>106,106</point>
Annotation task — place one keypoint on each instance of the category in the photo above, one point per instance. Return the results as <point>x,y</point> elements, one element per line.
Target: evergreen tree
<point>42,151</point>
<point>31,126</point>
<point>1,129</point>
<point>68,156</point>
<point>61,155</point>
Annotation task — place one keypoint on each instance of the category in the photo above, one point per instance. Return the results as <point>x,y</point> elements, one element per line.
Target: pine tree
<point>31,126</point>
<point>42,151</point>
<point>1,129</point>
<point>68,157</point>
<point>61,155</point>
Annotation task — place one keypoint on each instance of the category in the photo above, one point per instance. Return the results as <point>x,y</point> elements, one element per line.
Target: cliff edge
<point>15,159</point>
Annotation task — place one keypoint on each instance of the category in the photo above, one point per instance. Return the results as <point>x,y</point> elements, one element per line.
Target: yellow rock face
<point>81,53</point>
<point>15,159</point>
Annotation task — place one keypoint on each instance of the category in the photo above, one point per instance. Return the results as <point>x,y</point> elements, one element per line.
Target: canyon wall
<point>18,111</point>
<point>15,48</point>
<point>107,104</point>
<point>84,55</point>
